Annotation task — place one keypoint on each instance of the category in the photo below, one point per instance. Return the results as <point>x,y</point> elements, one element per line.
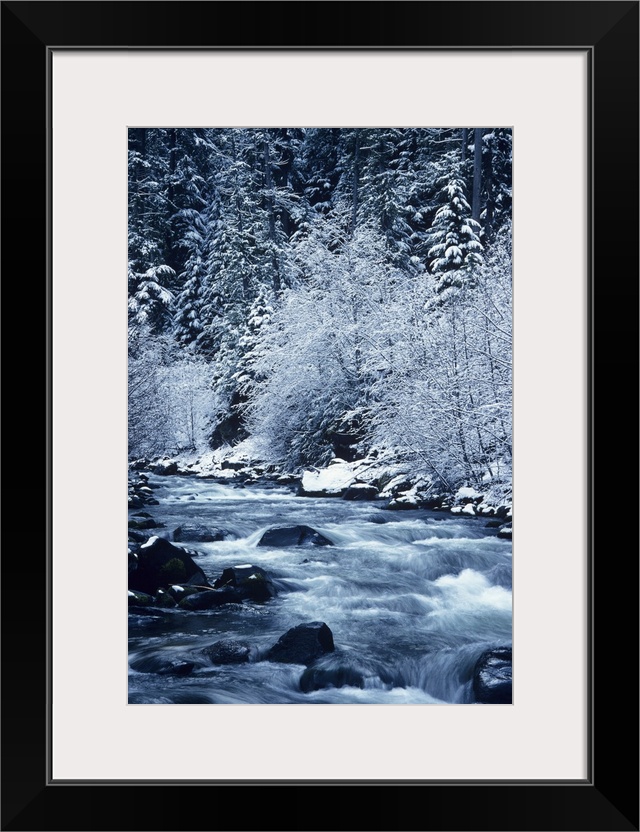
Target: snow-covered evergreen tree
<point>298,284</point>
<point>457,250</point>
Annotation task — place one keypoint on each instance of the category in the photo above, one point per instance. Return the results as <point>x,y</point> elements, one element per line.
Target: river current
<point>413,599</point>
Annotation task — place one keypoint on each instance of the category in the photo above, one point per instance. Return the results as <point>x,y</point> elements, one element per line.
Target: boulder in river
<point>505,532</point>
<point>165,599</point>
<point>197,533</point>
<point>360,491</point>
<point>227,651</point>
<point>160,564</point>
<point>177,669</point>
<point>492,677</point>
<point>302,644</point>
<point>317,678</point>
<point>140,599</point>
<point>140,523</point>
<point>293,536</point>
<point>164,666</point>
<point>209,599</point>
<point>165,469</point>
<point>251,583</point>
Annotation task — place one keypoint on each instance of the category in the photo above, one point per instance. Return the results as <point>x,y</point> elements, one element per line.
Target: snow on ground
<point>333,479</point>
<point>466,493</point>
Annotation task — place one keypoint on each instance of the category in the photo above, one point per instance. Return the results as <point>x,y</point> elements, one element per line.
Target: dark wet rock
<point>140,494</point>
<point>196,532</point>
<point>360,491</point>
<point>293,536</point>
<point>502,512</point>
<point>317,678</point>
<point>493,524</point>
<point>302,644</point>
<point>227,651</point>
<point>132,558</point>
<point>165,599</point>
<point>287,479</point>
<point>161,564</point>
<point>251,583</point>
<point>165,469</point>
<point>140,523</point>
<point>179,592</point>
<point>177,669</point>
<point>140,599</point>
<point>504,532</point>
<point>401,487</point>
<point>154,663</point>
<point>209,599</point>
<point>229,465</point>
<point>492,677</point>
<point>301,491</point>
<point>137,536</point>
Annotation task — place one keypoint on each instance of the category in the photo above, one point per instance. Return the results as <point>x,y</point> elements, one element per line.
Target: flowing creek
<point>413,598</point>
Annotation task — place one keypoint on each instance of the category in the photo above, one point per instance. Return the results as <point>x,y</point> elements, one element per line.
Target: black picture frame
<point>608,798</point>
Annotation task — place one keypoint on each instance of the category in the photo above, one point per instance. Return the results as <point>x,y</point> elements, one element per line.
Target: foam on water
<point>412,602</point>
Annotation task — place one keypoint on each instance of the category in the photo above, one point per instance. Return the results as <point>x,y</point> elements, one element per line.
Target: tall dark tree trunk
<point>171,258</point>
<point>477,173</point>
<point>270,206</point>
<point>465,142</point>
<point>491,200</point>
<point>356,174</point>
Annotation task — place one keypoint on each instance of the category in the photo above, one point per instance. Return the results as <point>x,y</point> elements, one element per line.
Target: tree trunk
<point>477,173</point>
<point>465,141</point>
<point>491,197</point>
<point>356,164</point>
<point>268,181</point>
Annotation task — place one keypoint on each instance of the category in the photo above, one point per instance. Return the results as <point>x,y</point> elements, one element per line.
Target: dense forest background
<point>307,293</point>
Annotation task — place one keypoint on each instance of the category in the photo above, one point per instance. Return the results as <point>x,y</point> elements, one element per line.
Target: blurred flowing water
<point>413,598</point>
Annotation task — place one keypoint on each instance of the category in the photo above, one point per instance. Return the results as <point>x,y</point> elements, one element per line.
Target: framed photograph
<point>95,95</point>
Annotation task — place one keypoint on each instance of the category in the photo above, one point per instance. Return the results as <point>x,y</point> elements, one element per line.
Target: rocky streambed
<point>253,594</point>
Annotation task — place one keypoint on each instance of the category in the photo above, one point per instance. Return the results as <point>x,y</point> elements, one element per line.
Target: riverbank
<point>390,484</point>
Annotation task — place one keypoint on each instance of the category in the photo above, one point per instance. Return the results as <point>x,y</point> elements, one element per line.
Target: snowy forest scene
<point>320,415</point>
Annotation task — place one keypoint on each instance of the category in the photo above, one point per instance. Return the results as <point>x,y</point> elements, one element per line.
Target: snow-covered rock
<point>466,494</point>
<point>360,491</point>
<point>505,532</point>
<point>332,481</point>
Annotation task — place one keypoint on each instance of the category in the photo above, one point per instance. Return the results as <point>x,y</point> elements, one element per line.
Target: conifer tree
<point>457,249</point>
